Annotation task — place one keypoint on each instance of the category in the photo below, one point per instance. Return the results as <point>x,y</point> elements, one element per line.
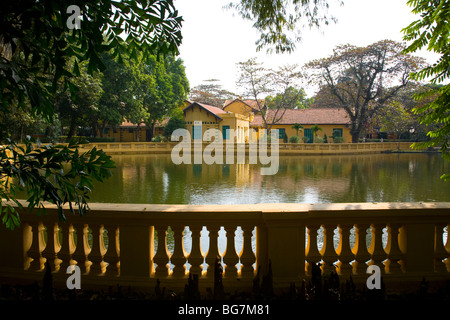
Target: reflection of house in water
<point>302,175</point>
<point>232,174</point>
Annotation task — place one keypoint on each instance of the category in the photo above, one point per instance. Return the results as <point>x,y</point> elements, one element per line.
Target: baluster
<point>82,248</point>
<point>37,245</point>
<point>161,256</point>
<point>67,247</point>
<point>312,253</point>
<point>376,250</point>
<point>178,258</point>
<point>196,257</point>
<point>328,253</point>
<point>51,247</point>
<point>230,257</point>
<point>27,240</point>
<point>213,251</point>
<point>112,255</point>
<point>97,251</point>
<point>393,251</point>
<point>447,248</point>
<point>247,256</point>
<point>360,249</point>
<point>344,251</point>
<point>439,250</point>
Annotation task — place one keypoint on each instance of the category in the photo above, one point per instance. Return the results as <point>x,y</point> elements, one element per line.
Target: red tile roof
<point>214,110</point>
<point>307,116</point>
<point>127,124</point>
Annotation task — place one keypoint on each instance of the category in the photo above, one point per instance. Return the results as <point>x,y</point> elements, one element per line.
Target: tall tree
<point>77,106</point>
<point>431,31</point>
<point>212,93</point>
<point>120,89</point>
<point>273,91</point>
<point>362,80</point>
<point>164,87</point>
<point>396,119</point>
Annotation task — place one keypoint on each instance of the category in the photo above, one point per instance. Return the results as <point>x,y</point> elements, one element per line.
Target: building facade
<point>241,121</point>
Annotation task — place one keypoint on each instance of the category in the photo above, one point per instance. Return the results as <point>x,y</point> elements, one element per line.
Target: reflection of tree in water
<point>326,179</point>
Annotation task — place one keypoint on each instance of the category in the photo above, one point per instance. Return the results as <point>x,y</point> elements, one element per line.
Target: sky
<point>216,39</point>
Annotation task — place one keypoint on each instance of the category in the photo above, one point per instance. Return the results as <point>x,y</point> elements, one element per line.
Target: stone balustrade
<point>137,245</point>
<point>284,148</point>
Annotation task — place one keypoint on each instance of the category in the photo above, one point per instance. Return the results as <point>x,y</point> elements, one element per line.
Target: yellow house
<point>333,122</point>
<point>240,121</point>
<point>200,117</point>
<point>244,107</point>
<point>128,132</point>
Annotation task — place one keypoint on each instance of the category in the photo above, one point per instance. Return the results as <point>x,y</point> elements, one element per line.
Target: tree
<point>120,93</point>
<point>280,22</point>
<point>164,87</point>
<point>395,119</point>
<point>297,127</point>
<point>79,105</point>
<point>362,80</point>
<point>431,31</point>
<point>273,91</point>
<point>406,99</point>
<point>35,44</point>
<point>176,121</point>
<point>314,129</point>
<point>211,93</point>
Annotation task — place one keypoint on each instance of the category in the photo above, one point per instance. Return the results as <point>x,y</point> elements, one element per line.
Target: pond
<point>399,177</point>
<point>395,177</point>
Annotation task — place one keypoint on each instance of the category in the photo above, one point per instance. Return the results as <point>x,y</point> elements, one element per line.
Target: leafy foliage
<point>280,22</point>
<point>176,121</point>
<point>59,174</point>
<point>362,80</point>
<point>274,91</point>
<point>297,127</point>
<point>314,129</point>
<point>36,31</point>
<point>36,46</point>
<point>211,93</point>
<point>432,31</point>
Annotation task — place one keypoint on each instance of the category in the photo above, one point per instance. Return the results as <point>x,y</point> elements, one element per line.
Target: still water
<point>300,179</point>
<point>399,177</point>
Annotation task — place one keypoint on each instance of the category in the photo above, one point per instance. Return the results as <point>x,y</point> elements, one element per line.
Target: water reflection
<point>300,179</point>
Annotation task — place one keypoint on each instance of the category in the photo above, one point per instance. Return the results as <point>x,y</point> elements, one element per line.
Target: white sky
<point>214,39</point>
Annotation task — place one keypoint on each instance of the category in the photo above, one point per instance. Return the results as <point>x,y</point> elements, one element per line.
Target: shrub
<point>305,139</point>
<point>293,139</point>
<point>338,139</point>
<point>319,140</point>
<point>159,138</point>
